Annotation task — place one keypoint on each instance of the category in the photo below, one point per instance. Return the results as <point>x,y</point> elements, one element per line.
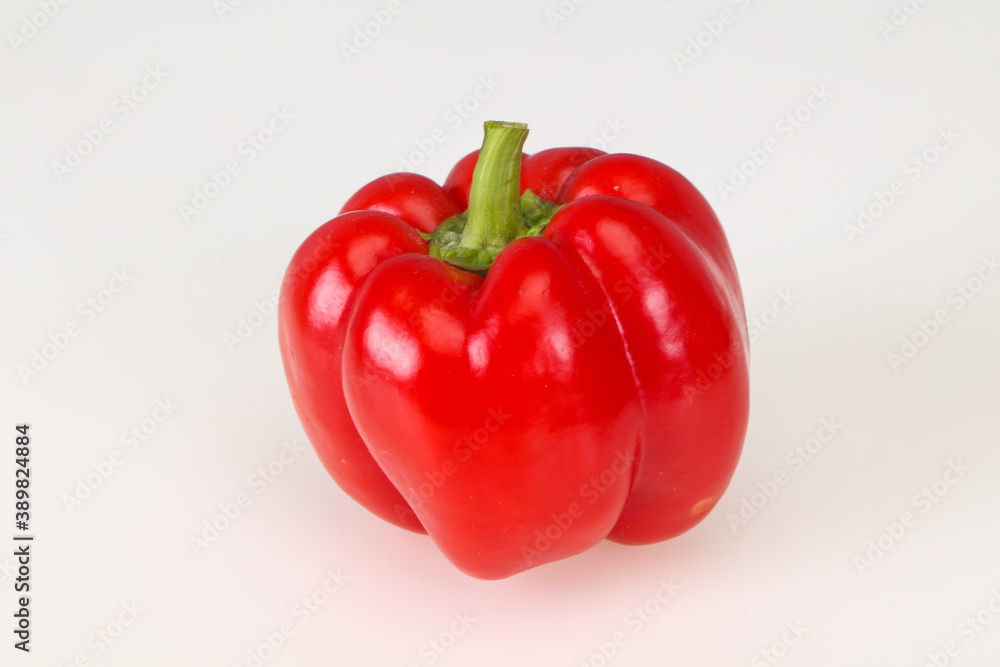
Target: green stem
<point>498,213</point>
<point>495,197</point>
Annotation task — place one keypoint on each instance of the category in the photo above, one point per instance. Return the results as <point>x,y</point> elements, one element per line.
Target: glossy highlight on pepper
<point>547,351</point>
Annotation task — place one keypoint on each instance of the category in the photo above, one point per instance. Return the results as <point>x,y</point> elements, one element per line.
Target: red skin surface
<point>594,385</point>
<point>413,198</point>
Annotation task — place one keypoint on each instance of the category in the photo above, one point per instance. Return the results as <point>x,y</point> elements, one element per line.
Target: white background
<point>854,298</point>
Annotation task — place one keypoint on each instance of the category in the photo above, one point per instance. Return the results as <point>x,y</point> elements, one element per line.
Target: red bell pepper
<point>563,362</point>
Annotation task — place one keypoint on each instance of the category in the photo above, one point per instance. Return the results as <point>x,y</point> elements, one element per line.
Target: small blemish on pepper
<point>703,505</point>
